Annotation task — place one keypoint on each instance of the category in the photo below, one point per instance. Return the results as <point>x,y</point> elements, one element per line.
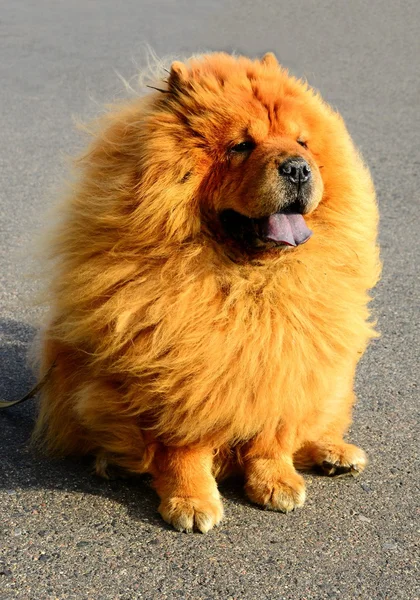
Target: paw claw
<point>343,460</point>
<point>286,500</point>
<point>283,495</point>
<point>328,468</point>
<point>192,514</point>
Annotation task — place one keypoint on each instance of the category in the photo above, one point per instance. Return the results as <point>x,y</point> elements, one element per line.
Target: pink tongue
<point>286,228</point>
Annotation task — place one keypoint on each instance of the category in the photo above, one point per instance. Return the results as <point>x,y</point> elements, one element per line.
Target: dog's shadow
<point>22,467</point>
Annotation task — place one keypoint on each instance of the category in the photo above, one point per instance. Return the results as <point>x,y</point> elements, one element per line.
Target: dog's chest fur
<point>236,354</point>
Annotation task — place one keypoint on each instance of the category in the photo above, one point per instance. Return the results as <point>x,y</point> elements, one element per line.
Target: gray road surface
<point>66,534</point>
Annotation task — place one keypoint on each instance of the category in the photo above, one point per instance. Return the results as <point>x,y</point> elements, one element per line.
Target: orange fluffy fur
<point>176,352</point>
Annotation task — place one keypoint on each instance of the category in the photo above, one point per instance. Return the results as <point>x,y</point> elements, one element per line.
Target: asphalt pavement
<point>66,534</point>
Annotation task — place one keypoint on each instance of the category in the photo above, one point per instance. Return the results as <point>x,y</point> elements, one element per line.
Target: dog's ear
<point>178,75</point>
<point>269,60</point>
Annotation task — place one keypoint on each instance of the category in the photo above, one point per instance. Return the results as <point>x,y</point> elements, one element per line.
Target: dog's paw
<point>277,492</point>
<point>340,459</point>
<point>107,470</point>
<point>192,514</point>
<point>102,467</point>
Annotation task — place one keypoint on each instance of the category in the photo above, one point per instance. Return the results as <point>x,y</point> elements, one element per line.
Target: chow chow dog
<point>209,289</point>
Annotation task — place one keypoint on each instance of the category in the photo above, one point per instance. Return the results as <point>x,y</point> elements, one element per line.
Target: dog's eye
<point>302,143</point>
<point>243,147</point>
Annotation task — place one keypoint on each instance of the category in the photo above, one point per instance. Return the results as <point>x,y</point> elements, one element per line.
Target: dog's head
<point>252,123</point>
<point>228,148</point>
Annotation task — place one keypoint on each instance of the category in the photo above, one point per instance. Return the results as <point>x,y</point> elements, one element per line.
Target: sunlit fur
<point>166,337</point>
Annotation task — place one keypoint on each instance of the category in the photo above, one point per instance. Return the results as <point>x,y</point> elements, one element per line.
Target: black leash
<point>33,392</point>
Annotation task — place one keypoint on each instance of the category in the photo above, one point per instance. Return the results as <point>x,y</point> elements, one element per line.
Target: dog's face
<point>241,145</point>
<point>270,182</point>
<point>252,121</point>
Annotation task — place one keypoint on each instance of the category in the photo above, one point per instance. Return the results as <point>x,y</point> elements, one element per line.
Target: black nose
<point>296,170</point>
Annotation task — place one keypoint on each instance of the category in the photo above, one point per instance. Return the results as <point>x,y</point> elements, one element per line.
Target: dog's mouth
<point>284,228</point>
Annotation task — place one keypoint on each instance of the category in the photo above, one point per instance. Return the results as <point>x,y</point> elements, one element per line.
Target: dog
<point>209,289</point>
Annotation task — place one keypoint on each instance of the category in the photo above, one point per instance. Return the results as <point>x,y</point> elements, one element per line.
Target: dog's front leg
<point>188,491</point>
<point>270,477</point>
